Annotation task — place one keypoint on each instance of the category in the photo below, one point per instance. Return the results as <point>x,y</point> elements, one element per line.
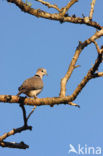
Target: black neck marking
<point>37,75</point>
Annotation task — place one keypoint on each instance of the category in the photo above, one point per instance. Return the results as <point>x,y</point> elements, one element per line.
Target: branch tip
<point>76,66</point>
<point>92,9</point>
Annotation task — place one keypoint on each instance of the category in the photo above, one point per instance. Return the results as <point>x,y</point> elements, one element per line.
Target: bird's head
<point>41,72</point>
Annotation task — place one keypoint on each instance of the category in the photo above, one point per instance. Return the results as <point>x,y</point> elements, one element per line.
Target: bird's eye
<point>42,71</point>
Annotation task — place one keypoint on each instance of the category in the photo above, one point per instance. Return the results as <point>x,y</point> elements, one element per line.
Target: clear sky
<point>26,43</point>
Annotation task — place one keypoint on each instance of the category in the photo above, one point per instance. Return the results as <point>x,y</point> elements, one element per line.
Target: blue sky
<point>27,43</point>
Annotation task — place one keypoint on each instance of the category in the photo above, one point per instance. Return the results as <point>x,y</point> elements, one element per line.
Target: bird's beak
<point>46,73</point>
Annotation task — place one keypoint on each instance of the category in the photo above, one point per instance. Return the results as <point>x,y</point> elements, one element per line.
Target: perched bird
<point>34,85</point>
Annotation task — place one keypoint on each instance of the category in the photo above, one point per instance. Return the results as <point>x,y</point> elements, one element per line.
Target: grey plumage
<point>34,85</point>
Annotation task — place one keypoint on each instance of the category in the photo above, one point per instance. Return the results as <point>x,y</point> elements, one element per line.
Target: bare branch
<point>40,13</point>
<point>17,130</point>
<point>92,9</point>
<point>76,66</point>
<point>31,112</point>
<point>78,51</point>
<point>20,145</point>
<point>99,74</point>
<point>14,131</point>
<point>99,50</point>
<point>97,47</point>
<point>66,8</point>
<point>36,102</point>
<point>74,104</point>
<point>49,5</point>
<point>24,114</point>
<point>88,77</point>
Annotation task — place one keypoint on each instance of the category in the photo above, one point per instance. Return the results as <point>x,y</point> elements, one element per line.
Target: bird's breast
<point>34,93</point>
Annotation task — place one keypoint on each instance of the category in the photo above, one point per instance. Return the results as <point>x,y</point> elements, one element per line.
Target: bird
<point>34,85</point>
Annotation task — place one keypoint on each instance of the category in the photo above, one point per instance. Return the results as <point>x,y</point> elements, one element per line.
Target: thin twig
<point>31,113</point>
<point>49,5</point>
<point>92,9</point>
<point>66,8</point>
<point>76,66</point>
<point>97,47</point>
<point>73,104</point>
<point>70,103</point>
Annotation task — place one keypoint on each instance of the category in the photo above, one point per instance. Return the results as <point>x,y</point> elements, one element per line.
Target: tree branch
<point>24,114</point>
<point>20,145</point>
<point>96,75</point>
<point>78,51</point>
<point>66,8</point>
<point>35,102</point>
<point>88,77</point>
<point>49,5</point>
<point>14,131</point>
<point>31,112</point>
<point>56,16</point>
<point>92,9</point>
<point>97,47</point>
<point>73,104</point>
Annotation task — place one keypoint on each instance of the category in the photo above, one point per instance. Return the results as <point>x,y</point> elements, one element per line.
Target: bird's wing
<point>33,83</point>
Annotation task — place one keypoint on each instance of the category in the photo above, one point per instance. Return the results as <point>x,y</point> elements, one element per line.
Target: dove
<point>34,85</point>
